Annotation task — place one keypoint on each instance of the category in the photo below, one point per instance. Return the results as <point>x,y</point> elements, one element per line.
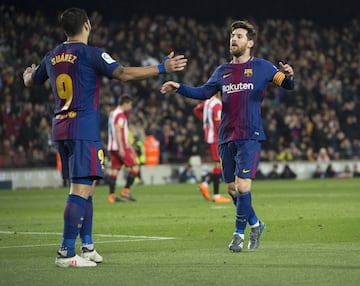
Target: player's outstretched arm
<point>202,92</point>
<point>169,87</point>
<point>171,64</point>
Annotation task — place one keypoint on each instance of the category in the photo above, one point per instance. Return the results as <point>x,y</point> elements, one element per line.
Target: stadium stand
<point>322,112</point>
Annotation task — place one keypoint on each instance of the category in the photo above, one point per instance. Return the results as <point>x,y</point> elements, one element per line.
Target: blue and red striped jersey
<point>243,87</point>
<point>75,71</point>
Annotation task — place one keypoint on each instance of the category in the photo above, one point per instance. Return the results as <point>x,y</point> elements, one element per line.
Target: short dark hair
<point>72,21</point>
<point>250,28</point>
<point>125,98</point>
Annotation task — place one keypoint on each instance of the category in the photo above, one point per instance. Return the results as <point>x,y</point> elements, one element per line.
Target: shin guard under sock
<point>74,213</point>
<point>243,210</point>
<point>86,230</point>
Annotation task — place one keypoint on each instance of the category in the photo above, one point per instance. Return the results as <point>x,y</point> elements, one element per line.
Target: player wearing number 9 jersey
<point>75,71</point>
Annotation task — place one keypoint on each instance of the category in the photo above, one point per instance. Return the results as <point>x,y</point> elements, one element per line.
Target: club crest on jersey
<point>107,58</point>
<point>248,72</point>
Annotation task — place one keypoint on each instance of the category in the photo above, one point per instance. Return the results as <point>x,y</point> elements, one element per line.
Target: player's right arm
<point>171,64</point>
<point>35,74</point>
<point>199,109</point>
<point>202,92</point>
<point>119,140</point>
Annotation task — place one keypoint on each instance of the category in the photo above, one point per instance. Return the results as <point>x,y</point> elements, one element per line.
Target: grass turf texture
<point>172,236</point>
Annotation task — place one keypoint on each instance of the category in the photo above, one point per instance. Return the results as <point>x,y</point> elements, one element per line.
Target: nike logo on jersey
<point>245,171</point>
<point>226,75</point>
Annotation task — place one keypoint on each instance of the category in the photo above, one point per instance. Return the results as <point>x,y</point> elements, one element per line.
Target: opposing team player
<point>209,112</point>
<point>121,152</point>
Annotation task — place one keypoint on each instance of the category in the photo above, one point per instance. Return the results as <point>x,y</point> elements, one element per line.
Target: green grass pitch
<point>172,236</point>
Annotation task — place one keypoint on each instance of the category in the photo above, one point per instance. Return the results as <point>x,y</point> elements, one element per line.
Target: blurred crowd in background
<point>323,112</point>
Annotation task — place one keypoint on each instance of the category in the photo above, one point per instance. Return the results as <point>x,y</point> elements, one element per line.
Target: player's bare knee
<point>231,189</point>
<point>243,185</point>
<point>81,190</point>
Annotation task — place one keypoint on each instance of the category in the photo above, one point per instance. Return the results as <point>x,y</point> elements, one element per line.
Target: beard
<point>237,51</point>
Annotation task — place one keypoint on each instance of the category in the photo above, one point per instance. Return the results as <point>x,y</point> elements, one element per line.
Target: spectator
<point>323,156</point>
<point>356,171</point>
<point>287,173</point>
<point>318,173</point>
<point>345,174</point>
<point>316,111</point>
<point>330,171</point>
<point>285,155</point>
<point>274,173</point>
<point>188,175</point>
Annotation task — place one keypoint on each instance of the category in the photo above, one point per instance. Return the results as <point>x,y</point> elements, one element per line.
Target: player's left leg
<point>216,177</point>
<point>256,231</point>
<point>206,179</point>
<point>116,164</point>
<point>130,162</point>
<point>230,187</point>
<point>95,158</point>
<point>87,244</point>
<point>246,157</point>
<point>126,192</point>
<point>248,154</point>
<point>74,218</point>
<point>112,178</point>
<point>227,153</point>
<point>112,185</point>
<point>78,212</point>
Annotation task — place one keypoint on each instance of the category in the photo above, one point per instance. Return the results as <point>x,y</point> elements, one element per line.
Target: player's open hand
<point>169,87</point>
<point>29,70</point>
<point>175,63</point>
<point>27,75</point>
<point>287,70</point>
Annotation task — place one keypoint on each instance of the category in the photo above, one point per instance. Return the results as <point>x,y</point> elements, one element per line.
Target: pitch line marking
<point>131,238</point>
<point>219,207</point>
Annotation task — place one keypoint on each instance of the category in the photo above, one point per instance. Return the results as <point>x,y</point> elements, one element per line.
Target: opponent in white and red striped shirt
<point>120,150</point>
<point>209,111</point>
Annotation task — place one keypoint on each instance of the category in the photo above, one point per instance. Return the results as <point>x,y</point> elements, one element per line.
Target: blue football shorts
<point>239,158</point>
<point>81,159</point>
